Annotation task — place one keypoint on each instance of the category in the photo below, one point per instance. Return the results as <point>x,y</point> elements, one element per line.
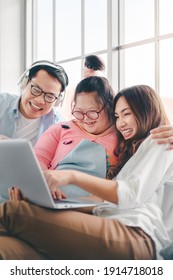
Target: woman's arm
<point>103,188</point>
<point>163,135</point>
<point>147,171</point>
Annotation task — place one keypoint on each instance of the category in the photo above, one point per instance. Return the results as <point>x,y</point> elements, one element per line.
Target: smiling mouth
<point>126,132</point>
<point>35,106</point>
<point>90,123</point>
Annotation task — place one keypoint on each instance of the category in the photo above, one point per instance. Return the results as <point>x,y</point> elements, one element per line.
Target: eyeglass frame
<point>42,92</point>
<point>85,114</point>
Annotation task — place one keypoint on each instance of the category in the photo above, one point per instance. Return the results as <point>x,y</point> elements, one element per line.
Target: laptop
<point>19,167</point>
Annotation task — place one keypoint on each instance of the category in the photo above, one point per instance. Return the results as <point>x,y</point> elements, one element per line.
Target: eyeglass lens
<point>93,115</point>
<point>48,97</point>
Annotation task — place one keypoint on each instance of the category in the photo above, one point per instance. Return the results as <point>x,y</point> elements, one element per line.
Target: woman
<point>129,225</point>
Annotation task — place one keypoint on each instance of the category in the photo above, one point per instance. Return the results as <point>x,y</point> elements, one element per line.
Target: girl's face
<point>125,119</point>
<point>86,107</point>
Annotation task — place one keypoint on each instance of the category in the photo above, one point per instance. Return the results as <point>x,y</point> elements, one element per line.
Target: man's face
<point>33,107</point>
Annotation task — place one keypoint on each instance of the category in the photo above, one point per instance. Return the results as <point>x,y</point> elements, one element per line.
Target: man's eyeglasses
<point>48,97</point>
<point>91,114</point>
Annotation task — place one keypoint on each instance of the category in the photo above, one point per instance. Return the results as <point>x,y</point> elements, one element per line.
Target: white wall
<point>11,44</point>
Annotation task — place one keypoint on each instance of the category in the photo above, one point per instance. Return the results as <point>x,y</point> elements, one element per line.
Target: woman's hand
<point>56,179</point>
<point>98,187</point>
<point>15,194</point>
<point>164,135</point>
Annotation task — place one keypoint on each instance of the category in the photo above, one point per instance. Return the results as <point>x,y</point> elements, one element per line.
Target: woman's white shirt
<point>145,193</point>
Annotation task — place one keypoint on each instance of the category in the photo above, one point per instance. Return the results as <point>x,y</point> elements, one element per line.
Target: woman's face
<point>125,119</point>
<point>86,102</point>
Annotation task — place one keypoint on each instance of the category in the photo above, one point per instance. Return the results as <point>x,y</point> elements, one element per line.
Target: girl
<point>87,142</point>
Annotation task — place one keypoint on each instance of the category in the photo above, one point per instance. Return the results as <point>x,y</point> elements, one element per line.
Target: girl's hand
<point>164,135</point>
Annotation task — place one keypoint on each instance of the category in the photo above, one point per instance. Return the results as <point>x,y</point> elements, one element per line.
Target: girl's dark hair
<point>149,113</point>
<point>94,62</point>
<point>105,94</point>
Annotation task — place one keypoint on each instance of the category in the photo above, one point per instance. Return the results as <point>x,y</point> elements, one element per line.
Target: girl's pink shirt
<point>62,138</point>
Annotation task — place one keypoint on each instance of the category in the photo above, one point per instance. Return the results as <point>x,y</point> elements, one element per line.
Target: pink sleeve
<point>46,146</point>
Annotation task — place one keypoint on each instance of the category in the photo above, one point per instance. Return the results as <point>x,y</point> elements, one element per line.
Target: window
<point>145,46</point>
<point>134,38</point>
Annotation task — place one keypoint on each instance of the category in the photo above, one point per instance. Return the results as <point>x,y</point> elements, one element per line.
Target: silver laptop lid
<point>19,167</point>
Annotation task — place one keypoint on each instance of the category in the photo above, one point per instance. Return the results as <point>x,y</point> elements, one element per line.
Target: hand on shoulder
<point>163,135</point>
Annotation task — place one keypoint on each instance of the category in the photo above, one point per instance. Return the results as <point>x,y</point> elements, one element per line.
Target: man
<point>30,114</point>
